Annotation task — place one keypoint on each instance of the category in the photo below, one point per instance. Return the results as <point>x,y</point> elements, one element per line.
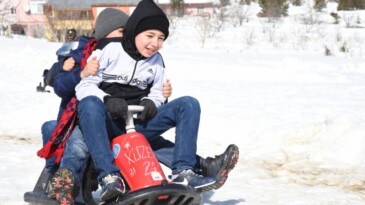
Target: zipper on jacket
<point>134,71</point>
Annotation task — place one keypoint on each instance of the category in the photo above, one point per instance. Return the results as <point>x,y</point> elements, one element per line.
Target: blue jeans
<point>183,114</point>
<point>98,128</point>
<point>163,149</point>
<point>75,157</point>
<point>47,129</point>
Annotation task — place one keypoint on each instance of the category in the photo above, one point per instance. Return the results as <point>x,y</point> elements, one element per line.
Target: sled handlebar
<point>132,109</point>
<point>135,108</point>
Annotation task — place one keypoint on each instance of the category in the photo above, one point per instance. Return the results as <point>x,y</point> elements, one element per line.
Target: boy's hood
<point>144,9</point>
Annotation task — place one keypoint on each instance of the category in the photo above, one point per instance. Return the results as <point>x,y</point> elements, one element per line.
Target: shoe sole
<point>111,194</point>
<point>205,187</point>
<point>229,163</point>
<point>62,184</point>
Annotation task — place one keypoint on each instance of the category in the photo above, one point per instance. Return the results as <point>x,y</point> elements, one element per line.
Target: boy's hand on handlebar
<point>149,110</point>
<point>117,107</point>
<point>167,89</point>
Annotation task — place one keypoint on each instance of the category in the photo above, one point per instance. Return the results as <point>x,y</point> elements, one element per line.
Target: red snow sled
<point>141,170</point>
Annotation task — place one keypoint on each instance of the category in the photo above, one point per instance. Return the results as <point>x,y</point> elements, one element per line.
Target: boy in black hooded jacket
<point>145,32</point>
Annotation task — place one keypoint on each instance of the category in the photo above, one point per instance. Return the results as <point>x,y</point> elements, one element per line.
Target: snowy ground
<point>297,115</point>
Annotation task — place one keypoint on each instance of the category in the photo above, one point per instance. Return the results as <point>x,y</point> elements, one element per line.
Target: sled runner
<point>140,169</point>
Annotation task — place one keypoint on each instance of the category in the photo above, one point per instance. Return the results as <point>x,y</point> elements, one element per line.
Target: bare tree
<point>249,35</point>
<point>173,24</point>
<point>349,18</point>
<point>220,15</point>
<point>7,15</point>
<point>218,19</point>
<point>240,12</point>
<point>204,28</point>
<point>38,31</point>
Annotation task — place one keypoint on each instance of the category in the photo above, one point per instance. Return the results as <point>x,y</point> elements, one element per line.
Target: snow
<point>297,115</point>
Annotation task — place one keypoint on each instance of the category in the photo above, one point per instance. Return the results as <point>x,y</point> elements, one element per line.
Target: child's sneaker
<point>62,185</point>
<point>190,178</point>
<point>112,187</point>
<point>219,166</point>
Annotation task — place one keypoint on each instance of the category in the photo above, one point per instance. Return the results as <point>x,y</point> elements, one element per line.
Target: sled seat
<point>169,194</point>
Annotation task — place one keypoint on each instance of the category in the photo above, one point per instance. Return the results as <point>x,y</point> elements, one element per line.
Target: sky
<point>297,115</point>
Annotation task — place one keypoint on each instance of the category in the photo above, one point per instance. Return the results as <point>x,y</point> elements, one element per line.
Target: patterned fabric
<point>88,49</point>
<point>64,186</point>
<point>56,145</point>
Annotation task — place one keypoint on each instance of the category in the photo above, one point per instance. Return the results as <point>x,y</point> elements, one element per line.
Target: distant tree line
<point>278,8</point>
